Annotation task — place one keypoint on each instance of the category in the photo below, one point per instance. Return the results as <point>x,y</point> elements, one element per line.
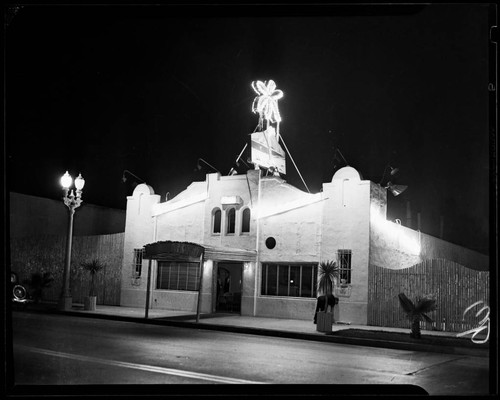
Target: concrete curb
<point>357,341</point>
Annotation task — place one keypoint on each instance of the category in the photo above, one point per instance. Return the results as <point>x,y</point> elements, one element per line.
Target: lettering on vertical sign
<point>483,324</point>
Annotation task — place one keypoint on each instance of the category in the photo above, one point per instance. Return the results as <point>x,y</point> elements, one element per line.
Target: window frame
<point>244,221</point>
<point>230,223</point>
<point>309,268</point>
<point>214,212</point>
<point>174,280</point>
<point>137,262</point>
<point>344,260</point>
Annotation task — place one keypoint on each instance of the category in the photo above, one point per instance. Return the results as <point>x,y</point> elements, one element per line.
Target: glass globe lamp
<point>66,180</point>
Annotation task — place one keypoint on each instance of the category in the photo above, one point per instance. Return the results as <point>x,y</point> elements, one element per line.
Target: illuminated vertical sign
<point>266,151</point>
<point>266,103</point>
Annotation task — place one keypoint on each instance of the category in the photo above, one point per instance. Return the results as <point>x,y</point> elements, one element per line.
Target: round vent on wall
<point>270,243</point>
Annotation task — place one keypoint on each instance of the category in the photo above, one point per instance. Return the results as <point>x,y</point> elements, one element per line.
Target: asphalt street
<point>66,350</point>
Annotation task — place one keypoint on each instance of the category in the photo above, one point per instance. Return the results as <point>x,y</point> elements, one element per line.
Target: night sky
<point>103,89</point>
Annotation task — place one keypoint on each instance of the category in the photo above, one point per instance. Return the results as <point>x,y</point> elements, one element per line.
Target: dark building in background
<point>35,216</point>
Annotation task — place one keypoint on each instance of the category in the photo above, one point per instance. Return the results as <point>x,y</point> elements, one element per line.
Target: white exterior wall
<point>345,225</point>
<point>348,214</point>
<point>181,225</point>
<point>393,249</point>
<point>139,230</point>
<point>307,228</point>
<point>187,217</point>
<point>298,239</point>
<point>243,188</point>
<point>231,186</point>
<point>394,246</point>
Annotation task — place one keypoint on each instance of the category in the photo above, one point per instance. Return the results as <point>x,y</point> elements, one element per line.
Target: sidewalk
<point>374,336</point>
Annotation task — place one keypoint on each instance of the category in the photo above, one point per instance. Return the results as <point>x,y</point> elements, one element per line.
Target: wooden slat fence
<point>454,286</point>
<point>46,254</point>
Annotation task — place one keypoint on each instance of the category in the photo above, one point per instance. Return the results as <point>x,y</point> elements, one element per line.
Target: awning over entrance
<point>168,250</point>
<point>187,251</point>
<point>229,254</point>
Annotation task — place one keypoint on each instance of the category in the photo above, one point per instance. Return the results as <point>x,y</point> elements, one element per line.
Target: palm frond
<point>406,304</point>
<point>93,266</point>
<point>425,305</point>
<point>427,318</point>
<point>328,271</point>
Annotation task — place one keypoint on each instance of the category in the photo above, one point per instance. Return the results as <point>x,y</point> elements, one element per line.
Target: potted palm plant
<point>328,273</point>
<point>93,267</point>
<point>416,311</point>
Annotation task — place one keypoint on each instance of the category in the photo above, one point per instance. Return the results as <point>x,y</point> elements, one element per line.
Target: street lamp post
<point>72,201</point>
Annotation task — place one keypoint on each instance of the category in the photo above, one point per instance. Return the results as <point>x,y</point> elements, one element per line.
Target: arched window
<point>245,221</point>
<point>216,220</point>
<point>231,220</point>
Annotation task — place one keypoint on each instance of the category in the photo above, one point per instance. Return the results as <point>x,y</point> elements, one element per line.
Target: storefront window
<point>283,281</point>
<point>174,275</point>
<point>294,280</point>
<point>291,280</point>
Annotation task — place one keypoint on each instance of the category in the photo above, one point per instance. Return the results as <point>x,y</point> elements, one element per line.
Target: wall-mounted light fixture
<point>396,190</point>
<point>393,172</point>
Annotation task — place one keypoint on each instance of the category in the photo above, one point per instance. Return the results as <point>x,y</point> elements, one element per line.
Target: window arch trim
<point>231,221</point>
<point>216,221</point>
<point>246,215</point>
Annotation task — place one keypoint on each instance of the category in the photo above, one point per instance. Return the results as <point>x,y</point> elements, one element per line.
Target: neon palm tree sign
<point>266,103</point>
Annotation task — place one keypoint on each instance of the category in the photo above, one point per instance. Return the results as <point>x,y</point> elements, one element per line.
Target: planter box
<point>89,303</point>
<point>324,321</point>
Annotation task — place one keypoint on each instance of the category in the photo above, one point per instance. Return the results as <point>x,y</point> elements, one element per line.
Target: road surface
<point>66,350</point>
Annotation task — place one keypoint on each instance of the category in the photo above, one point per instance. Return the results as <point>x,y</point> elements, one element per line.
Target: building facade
<point>263,239</point>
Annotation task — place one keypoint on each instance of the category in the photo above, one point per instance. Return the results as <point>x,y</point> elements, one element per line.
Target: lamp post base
<point>65,303</point>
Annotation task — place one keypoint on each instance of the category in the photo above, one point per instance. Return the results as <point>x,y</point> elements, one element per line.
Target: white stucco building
<point>263,239</point>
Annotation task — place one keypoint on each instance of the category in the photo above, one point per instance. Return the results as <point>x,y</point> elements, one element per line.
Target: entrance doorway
<point>228,287</point>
